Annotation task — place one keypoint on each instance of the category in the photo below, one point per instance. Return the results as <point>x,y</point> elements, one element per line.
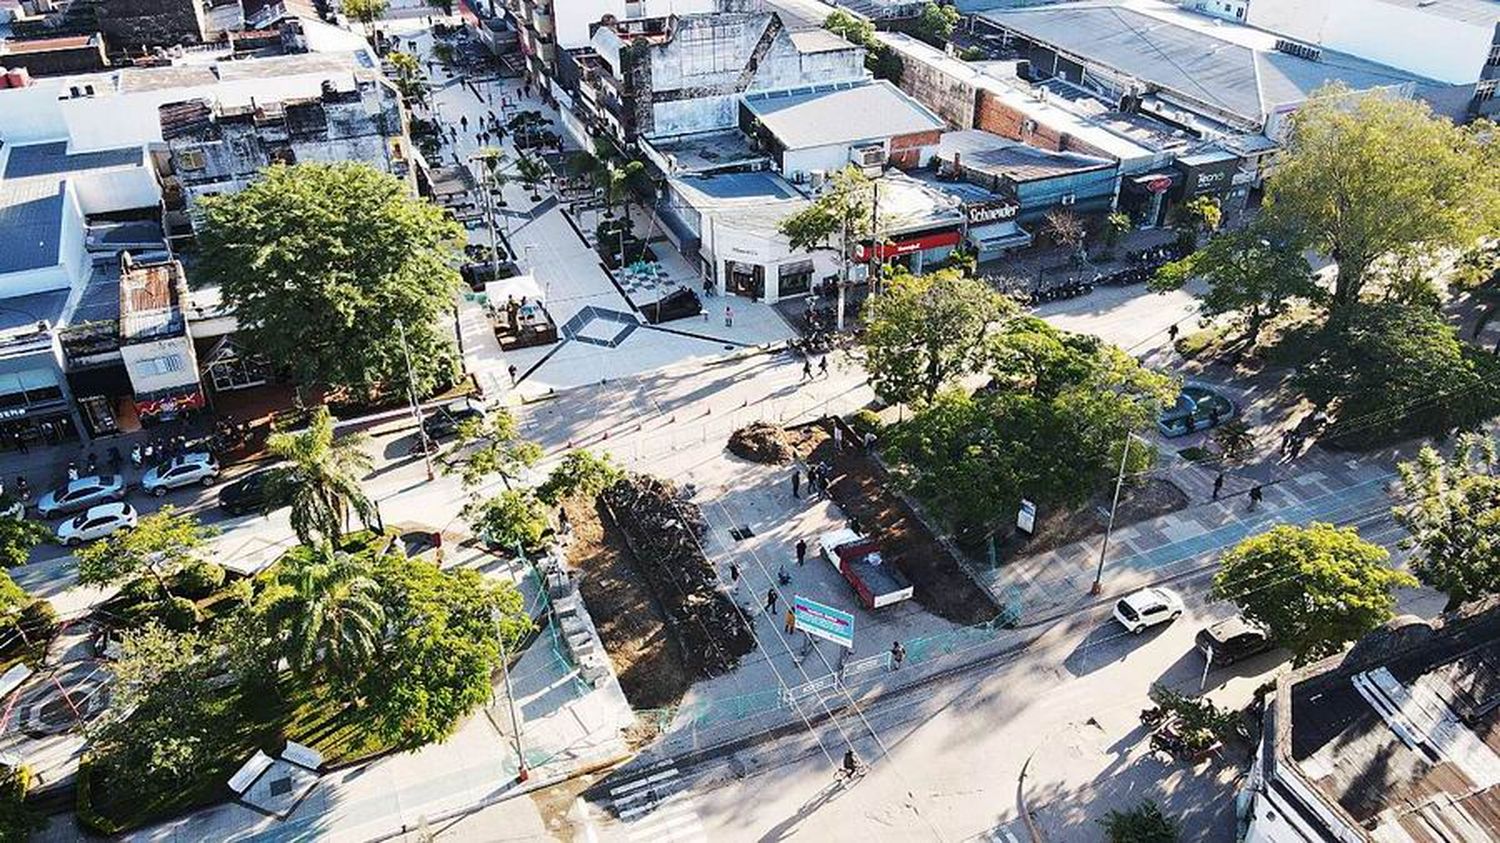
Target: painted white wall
<point>72,251</point>
<point>1411,39</point>
<point>116,190</point>
<point>572,17</point>
<point>829,159</point>
<point>723,241</point>
<point>139,364</point>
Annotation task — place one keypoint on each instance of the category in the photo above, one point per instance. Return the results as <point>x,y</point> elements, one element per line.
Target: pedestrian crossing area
<point>1001,834</point>
<point>657,807</point>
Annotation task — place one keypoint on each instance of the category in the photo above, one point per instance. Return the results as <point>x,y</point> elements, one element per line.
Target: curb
<point>519,790</point>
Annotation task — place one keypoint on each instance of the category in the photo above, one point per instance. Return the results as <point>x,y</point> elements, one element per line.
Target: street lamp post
<point>411,394</point>
<point>1110,527</point>
<point>522,774</point>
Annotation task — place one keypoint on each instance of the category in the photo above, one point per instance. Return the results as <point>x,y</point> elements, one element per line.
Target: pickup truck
<point>858,559</point>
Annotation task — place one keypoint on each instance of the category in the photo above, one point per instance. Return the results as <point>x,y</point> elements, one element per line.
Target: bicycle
<point>848,773</point>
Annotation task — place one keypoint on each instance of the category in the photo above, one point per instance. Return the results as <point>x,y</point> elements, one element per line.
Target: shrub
<point>139,590</point>
<point>17,819</point>
<point>178,614</point>
<point>39,619</point>
<point>582,473</point>
<point>241,592</point>
<point>513,517</point>
<point>199,579</point>
<point>866,421</point>
<point>1142,824</point>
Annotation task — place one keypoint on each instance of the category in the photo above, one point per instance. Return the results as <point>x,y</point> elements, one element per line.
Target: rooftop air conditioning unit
<point>817,177</point>
<point>869,156</point>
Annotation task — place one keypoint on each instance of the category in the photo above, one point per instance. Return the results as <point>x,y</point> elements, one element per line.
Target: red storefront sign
<point>897,248</point>
<point>171,405</point>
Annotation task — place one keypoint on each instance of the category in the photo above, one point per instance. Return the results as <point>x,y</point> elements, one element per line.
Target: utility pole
<point>1109,528</point>
<point>411,394</point>
<point>522,774</point>
<point>487,184</point>
<point>877,258</point>
<point>843,271</point>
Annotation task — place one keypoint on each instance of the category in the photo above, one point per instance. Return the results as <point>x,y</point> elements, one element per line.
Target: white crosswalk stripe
<point>658,808</point>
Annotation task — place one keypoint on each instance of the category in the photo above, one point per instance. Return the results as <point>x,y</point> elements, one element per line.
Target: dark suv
<point>1231,640</point>
<point>446,419</point>
<point>245,495</point>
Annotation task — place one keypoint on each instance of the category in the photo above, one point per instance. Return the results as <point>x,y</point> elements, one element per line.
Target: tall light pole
<point>1110,527</point>
<point>522,774</point>
<point>411,394</point>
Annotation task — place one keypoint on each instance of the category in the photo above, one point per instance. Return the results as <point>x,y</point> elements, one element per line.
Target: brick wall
<point>906,150</point>
<point>994,116</point>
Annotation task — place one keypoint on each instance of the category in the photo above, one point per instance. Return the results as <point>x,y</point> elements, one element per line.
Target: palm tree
<point>532,171</point>
<point>493,159</point>
<point>320,479</point>
<point>331,616</point>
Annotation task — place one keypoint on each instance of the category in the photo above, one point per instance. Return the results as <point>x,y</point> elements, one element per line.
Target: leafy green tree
<point>925,332</point>
<point>17,819</point>
<point>852,28</point>
<point>1050,427</point>
<point>493,446</point>
<point>165,724</point>
<point>1313,588</point>
<point>320,262</point>
<point>329,618</point>
<point>1145,823</point>
<point>1116,226</point>
<point>580,473</point>
<point>513,518</point>
<point>320,478</point>
<point>1367,176</point>
<point>533,171</point>
<point>13,600</point>
<point>408,75</point>
<point>936,23</point>
<point>1255,274</point>
<point>1199,215</point>
<point>1394,371</point>
<point>839,218</point>
<point>364,11</point>
<point>160,545</point>
<point>1451,510</point>
<point>18,536</point>
<point>435,665</point>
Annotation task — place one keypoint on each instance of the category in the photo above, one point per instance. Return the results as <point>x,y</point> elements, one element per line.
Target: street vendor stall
<point>518,313</point>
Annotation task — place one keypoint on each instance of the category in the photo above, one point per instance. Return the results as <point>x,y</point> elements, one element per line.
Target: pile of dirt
<point>761,442</point>
<point>862,490</point>
<point>664,533</point>
<point>633,628</point>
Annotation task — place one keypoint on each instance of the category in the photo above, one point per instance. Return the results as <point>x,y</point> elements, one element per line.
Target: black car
<point>446,419</point>
<point>1231,640</point>
<point>245,495</point>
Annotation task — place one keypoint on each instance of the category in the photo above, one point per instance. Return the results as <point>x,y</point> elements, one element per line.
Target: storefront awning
<point>896,248</point>
<point>999,235</point>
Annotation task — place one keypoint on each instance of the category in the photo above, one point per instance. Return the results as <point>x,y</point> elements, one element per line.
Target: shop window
<point>794,279</point>
<point>13,399</point>
<point>163,365</point>
<point>43,394</point>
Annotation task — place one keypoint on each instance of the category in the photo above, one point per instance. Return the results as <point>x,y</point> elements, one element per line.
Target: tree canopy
<point>1254,274</point>
<point>838,218</point>
<point>160,544</point>
<point>492,447</point>
<point>514,518</point>
<point>328,616</point>
<point>1451,511</point>
<point>1313,588</point>
<point>1369,176</point>
<point>582,473</point>
<point>1050,426</point>
<point>320,478</point>
<point>935,24</point>
<point>925,332</point>
<point>320,262</point>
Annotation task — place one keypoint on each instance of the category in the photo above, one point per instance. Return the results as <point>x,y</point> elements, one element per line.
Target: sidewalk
<point>1323,488</point>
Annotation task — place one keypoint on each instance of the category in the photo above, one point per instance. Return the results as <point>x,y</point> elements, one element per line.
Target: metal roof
<point>20,311</point>
<point>839,114</point>
<point>32,198</point>
<point>1213,68</point>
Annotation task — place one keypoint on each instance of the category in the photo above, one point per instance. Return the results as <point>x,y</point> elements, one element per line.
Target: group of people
<point>819,474</point>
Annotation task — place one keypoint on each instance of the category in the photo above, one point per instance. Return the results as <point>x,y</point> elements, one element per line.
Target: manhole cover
<point>281,787</point>
<point>741,532</point>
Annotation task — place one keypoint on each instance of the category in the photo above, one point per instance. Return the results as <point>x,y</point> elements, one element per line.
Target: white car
<point>96,523</point>
<point>181,471</point>
<point>1148,607</point>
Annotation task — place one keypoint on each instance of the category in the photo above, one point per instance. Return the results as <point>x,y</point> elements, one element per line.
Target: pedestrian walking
<point>1172,333</point>
<point>898,655</point>
<point>464,122</point>
<point>512,370</point>
<point>72,471</point>
<point>807,370</point>
<point>21,444</point>
<point>728,316</point>
<point>801,551</point>
<point>771,598</point>
<point>1218,485</point>
<point>1255,497</point>
<point>823,366</point>
<point>1286,441</point>
<point>797,483</point>
<point>22,488</point>
<point>791,622</point>
<point>734,572</point>
<point>838,438</point>
<point>93,463</point>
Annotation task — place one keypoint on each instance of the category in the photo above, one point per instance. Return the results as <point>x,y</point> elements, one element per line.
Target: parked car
<point>179,471</point>
<point>1148,607</point>
<point>81,494</point>
<point>445,420</point>
<point>245,495</point>
<point>1232,639</point>
<point>96,523</point>
<point>1197,408</point>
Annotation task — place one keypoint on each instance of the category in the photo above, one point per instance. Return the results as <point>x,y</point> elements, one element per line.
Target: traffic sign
<point>825,622</point>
